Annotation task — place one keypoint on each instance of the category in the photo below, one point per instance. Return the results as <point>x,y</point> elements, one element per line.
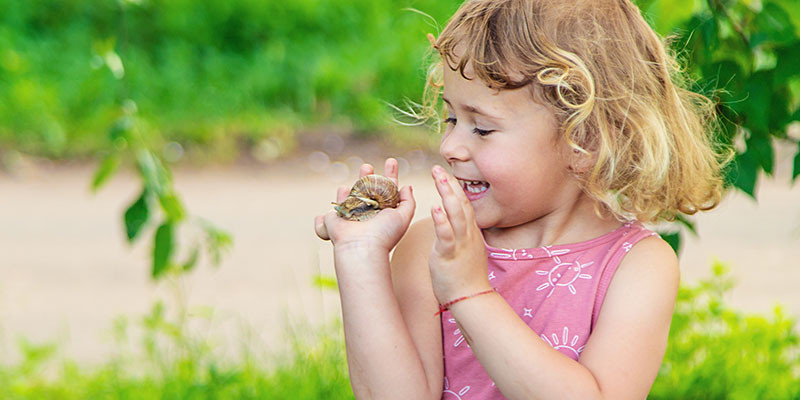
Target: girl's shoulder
<point>417,241</point>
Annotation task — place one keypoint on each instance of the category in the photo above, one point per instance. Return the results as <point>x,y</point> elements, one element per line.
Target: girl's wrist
<point>360,248</point>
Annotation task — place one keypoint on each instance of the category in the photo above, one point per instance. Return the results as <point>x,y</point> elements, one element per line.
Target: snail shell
<point>369,195</point>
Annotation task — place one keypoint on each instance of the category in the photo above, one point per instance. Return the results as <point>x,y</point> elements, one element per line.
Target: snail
<point>369,195</point>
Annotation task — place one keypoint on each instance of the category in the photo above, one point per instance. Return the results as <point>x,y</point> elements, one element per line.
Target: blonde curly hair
<point>615,89</point>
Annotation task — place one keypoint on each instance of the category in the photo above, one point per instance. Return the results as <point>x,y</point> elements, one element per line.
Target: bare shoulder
<point>420,236</point>
<point>627,345</point>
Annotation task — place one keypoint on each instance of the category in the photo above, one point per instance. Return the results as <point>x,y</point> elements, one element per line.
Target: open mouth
<point>473,187</point>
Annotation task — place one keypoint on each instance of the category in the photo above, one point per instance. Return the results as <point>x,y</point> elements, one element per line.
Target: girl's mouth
<point>473,189</point>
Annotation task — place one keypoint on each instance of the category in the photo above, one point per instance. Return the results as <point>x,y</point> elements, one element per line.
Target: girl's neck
<point>572,223</point>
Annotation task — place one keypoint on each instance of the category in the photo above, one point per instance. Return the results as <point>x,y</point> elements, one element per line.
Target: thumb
<point>407,204</point>
<point>320,228</point>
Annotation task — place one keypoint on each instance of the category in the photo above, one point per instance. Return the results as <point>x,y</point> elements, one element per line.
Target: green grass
<point>714,353</point>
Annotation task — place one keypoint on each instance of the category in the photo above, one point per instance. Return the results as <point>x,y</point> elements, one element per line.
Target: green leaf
<point>687,223</point>
<point>786,67</point>
<point>120,129</point>
<point>192,261</point>
<point>761,150</point>
<point>668,14</point>
<point>217,241</point>
<point>744,173</point>
<point>162,248</point>
<point>106,170</point>
<point>172,206</point>
<point>136,216</point>
<point>796,171</point>
<point>674,240</point>
<point>152,172</point>
<point>325,281</point>
<point>756,106</point>
<point>771,25</point>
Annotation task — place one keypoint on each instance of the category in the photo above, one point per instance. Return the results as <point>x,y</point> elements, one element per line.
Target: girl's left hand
<point>458,261</point>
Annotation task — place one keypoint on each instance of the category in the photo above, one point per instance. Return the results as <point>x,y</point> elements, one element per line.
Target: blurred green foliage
<point>203,72</point>
<point>714,352</point>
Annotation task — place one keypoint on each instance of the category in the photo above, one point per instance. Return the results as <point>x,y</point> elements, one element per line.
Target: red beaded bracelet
<point>444,307</point>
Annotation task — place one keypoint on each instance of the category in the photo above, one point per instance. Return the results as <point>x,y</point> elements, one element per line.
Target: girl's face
<point>506,151</point>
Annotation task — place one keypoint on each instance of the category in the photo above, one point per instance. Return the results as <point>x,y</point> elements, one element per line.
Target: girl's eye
<point>482,132</point>
<point>477,131</point>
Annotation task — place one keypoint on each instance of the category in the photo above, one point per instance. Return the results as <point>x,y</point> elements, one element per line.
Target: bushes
<point>717,353</point>
<point>714,353</point>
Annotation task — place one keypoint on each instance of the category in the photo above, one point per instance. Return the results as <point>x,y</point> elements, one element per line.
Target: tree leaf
<point>153,173</point>
<point>796,171</point>
<point>162,248</point>
<point>786,67</point>
<point>136,216</point>
<point>756,107</point>
<point>106,170</point>
<point>217,241</point>
<point>674,240</point>
<point>323,281</point>
<point>744,173</point>
<point>687,223</point>
<point>760,148</point>
<point>172,206</point>
<point>192,261</point>
<point>121,128</point>
<point>771,25</point>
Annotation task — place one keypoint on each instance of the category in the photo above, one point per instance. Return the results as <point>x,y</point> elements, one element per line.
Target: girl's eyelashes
<point>477,131</point>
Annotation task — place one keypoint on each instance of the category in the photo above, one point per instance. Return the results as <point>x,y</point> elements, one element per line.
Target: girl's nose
<point>453,147</point>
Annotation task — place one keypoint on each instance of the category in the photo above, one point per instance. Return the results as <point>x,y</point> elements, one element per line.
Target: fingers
<point>366,169</point>
<point>407,203</point>
<point>445,239</point>
<point>390,170</point>
<point>453,205</point>
<point>320,228</point>
<point>341,193</point>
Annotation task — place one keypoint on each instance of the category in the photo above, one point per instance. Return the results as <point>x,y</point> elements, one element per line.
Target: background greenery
<point>120,81</point>
<point>714,352</point>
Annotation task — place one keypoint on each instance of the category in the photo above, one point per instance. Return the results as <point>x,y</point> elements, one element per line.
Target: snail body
<point>369,195</point>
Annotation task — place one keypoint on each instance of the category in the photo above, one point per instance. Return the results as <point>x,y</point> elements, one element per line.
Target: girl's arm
<point>621,358</point>
<point>383,359</point>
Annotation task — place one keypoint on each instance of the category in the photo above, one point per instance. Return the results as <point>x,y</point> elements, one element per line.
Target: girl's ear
<point>580,162</point>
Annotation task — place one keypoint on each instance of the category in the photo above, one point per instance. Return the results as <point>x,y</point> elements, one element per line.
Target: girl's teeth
<point>475,186</point>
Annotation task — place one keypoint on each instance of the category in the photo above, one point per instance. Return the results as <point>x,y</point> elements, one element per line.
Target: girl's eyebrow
<point>475,110</point>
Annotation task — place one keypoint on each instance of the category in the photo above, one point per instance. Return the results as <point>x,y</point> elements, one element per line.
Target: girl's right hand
<point>381,232</point>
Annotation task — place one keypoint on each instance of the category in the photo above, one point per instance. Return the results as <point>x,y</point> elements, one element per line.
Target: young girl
<point>566,130</point>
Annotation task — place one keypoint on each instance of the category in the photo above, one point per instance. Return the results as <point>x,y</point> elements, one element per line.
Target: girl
<point>566,130</point>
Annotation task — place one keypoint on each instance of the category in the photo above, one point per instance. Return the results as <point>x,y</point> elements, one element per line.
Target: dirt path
<point>67,272</point>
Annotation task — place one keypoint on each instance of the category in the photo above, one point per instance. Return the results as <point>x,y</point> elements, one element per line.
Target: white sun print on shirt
<point>512,254</point>
<point>528,312</point>
<point>627,246</point>
<point>563,274</point>
<point>457,332</point>
<point>565,343</point>
<point>449,394</point>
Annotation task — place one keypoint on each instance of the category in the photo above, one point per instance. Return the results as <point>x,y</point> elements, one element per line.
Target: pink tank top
<point>557,290</point>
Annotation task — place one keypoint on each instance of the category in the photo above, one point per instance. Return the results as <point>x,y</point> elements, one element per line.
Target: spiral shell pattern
<point>369,195</point>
